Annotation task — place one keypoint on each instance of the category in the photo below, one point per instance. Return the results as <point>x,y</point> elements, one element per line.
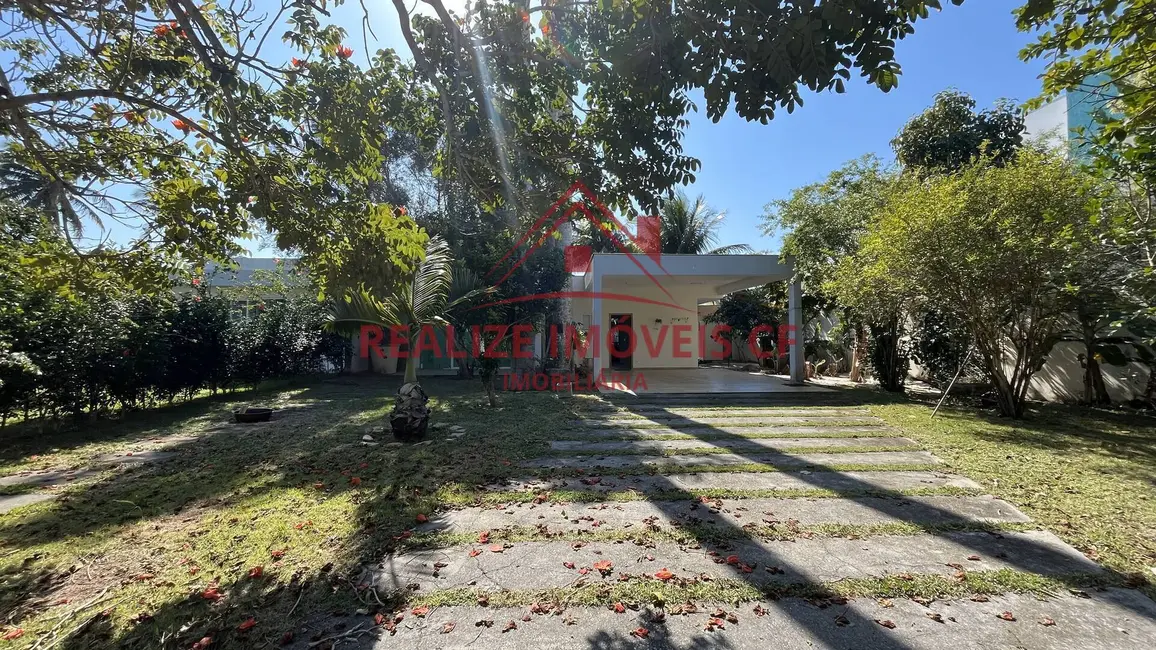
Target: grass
<point>135,557</point>
<point>706,533</point>
<point>708,451</point>
<point>1087,475</point>
<point>145,543</point>
<point>666,469</point>
<point>453,498</point>
<point>610,435</point>
<point>642,424</point>
<point>641,590</point>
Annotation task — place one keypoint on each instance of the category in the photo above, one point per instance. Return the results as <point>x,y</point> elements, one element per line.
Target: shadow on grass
<point>1066,429</point>
<point>273,477</point>
<point>35,438</point>
<point>233,470</point>
<point>1028,557</point>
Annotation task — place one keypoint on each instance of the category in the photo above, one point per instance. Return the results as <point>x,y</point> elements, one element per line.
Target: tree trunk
<point>411,361</point>
<point>1095,392</point>
<point>1005,396</point>
<point>490,392</point>
<point>857,354</point>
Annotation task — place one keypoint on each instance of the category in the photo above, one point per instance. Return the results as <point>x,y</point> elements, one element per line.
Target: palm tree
<point>692,228</point>
<point>44,195</point>
<point>425,299</point>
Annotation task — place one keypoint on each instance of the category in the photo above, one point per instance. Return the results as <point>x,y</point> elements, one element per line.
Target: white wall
<point>1062,379</point>
<point>652,318</point>
<point>1049,122</point>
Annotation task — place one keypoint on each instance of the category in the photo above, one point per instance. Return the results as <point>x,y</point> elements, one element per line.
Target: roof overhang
<point>719,274</point>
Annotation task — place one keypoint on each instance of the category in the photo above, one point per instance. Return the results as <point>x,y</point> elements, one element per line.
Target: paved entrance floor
<point>659,525</point>
<point>705,380</point>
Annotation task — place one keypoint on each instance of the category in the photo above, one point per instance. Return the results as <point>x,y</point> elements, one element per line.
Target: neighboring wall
<point>1062,378</point>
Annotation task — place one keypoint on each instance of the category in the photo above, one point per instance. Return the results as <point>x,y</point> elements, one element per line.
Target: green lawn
<point>162,555</point>
<point>1087,475</point>
<point>300,497</point>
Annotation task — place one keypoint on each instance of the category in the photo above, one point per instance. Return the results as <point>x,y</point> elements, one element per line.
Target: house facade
<point>647,311</point>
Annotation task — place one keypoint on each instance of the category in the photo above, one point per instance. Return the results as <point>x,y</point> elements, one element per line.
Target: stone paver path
<point>779,510</point>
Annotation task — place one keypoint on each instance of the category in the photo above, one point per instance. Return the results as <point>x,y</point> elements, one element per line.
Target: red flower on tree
<point>183,126</point>
<point>161,30</point>
<point>297,63</point>
<point>344,52</point>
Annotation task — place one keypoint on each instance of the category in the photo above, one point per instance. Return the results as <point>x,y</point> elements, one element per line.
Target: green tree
<point>1103,50</point>
<point>1123,274</point>
<point>536,94</point>
<point>951,134</point>
<point>175,106</point>
<point>992,246</point>
<point>691,228</point>
<point>743,311</point>
<point>821,225</point>
<point>944,138</point>
<point>422,301</point>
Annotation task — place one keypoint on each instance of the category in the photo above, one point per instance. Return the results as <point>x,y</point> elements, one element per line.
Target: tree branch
<point>17,102</point>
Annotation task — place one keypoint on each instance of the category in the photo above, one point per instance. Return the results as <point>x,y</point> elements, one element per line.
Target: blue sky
<point>973,47</point>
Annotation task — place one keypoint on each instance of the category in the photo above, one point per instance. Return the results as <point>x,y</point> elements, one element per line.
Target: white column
<point>596,329</point>
<point>797,358</point>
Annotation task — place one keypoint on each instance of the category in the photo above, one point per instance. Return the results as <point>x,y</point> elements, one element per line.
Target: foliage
<point>743,311</point>
<point>98,352</point>
<point>940,344</point>
<point>951,134</point>
<point>508,77</point>
<point>1101,50</point>
<point>76,339</point>
<point>487,247</point>
<point>889,354</point>
<point>174,105</point>
<point>990,246</point>
<point>820,224</point>
<point>419,303</point>
<point>691,228</point>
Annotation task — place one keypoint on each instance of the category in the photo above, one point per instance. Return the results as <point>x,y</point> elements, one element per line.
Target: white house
<point>657,300</point>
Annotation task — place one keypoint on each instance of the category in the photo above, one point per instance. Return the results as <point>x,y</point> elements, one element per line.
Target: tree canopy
<point>690,227</point>
<point>993,246</point>
<point>950,134</point>
<point>1101,49</point>
<point>173,116</point>
<point>821,223</point>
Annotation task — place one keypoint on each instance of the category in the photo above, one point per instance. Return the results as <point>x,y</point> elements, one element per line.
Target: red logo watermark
<point>572,343</point>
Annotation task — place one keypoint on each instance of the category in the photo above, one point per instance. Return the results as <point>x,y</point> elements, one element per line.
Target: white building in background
<point>1068,120</point>
<point>1065,123</point>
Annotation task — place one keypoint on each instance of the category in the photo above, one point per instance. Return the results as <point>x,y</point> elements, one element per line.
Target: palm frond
<point>347,315</point>
<point>732,249</point>
<point>424,299</point>
<point>691,228</point>
<point>431,283</point>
